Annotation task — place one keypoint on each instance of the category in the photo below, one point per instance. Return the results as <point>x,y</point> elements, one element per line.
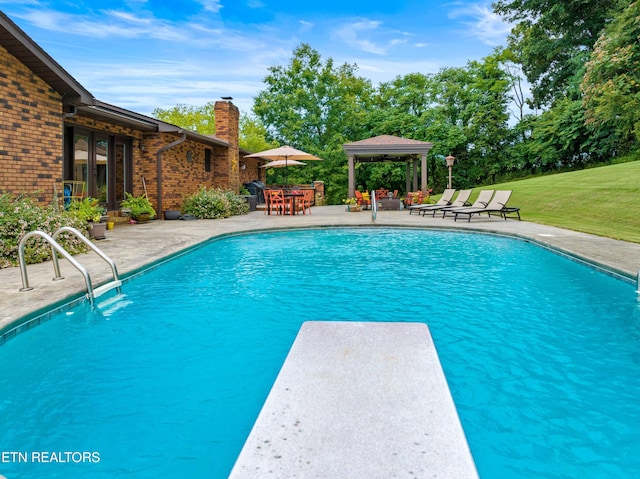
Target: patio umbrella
<point>283,164</point>
<point>287,154</point>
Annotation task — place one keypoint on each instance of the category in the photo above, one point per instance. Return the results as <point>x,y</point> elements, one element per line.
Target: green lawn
<point>603,201</point>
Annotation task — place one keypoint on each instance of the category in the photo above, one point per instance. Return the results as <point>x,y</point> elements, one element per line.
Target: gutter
<point>159,163</point>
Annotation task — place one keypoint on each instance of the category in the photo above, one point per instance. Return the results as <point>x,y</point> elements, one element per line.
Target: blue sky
<point>143,54</point>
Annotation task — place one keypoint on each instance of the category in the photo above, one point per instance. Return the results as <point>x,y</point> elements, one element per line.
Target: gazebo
<point>390,148</point>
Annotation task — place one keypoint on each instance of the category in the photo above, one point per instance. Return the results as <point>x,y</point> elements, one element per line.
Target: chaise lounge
<point>445,200</point>
<point>498,204</point>
<point>461,201</point>
<point>481,202</point>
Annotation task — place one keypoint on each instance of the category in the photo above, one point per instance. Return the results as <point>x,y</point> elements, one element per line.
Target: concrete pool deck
<point>132,247</point>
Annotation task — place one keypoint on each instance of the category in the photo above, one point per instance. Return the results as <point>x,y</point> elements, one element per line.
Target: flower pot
<point>172,214</point>
<point>252,201</point>
<point>97,230</point>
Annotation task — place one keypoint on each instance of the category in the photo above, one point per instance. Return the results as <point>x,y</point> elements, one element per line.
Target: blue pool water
<point>542,354</point>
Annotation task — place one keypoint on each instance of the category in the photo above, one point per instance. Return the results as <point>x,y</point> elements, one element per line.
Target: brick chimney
<point>227,129</point>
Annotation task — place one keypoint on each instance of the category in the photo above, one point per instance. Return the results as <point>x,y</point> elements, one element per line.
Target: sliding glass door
<point>100,165</point>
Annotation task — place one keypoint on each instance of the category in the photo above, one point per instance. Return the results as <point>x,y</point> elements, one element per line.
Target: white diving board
<point>358,400</point>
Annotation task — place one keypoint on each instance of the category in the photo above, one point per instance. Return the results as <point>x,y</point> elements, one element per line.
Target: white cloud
<point>210,5</point>
<point>482,22</point>
<point>305,25</point>
<point>353,34</point>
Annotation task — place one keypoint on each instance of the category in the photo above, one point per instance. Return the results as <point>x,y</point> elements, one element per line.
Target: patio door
<point>101,163</point>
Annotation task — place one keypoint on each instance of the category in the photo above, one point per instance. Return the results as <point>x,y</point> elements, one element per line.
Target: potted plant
<point>138,207</point>
<point>352,204</point>
<point>90,210</point>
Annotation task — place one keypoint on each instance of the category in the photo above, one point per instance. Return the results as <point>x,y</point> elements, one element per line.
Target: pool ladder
<point>56,249</point>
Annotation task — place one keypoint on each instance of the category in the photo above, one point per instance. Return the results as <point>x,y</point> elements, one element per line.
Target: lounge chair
<point>497,205</point>
<point>445,200</point>
<point>481,202</point>
<point>461,200</point>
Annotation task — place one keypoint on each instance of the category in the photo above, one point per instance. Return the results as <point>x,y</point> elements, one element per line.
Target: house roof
<point>21,46</point>
<point>124,117</point>
<point>386,146</point>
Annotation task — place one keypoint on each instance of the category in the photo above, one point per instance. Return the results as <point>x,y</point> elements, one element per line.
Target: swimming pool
<point>542,354</point>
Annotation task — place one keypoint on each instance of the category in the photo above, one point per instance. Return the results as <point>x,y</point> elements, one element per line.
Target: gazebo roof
<point>385,146</point>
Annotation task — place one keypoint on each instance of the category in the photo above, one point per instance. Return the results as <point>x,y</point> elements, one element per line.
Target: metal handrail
<point>86,241</point>
<point>56,248</point>
<point>374,206</point>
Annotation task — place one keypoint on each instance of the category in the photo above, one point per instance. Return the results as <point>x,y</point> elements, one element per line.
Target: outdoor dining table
<point>294,196</point>
<point>287,194</point>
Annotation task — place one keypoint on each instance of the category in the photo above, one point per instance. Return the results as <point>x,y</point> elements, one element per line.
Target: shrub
<point>21,215</point>
<point>214,203</point>
<point>88,209</point>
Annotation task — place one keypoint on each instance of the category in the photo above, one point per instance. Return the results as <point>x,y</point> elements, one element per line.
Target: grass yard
<point>604,201</point>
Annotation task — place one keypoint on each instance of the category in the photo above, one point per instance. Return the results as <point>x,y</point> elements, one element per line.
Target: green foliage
<point>199,119</point>
<point>214,203</point>
<point>611,84</point>
<point>315,106</point>
<point>137,206</point>
<point>551,39</point>
<point>253,135</point>
<point>88,209</point>
<point>21,215</point>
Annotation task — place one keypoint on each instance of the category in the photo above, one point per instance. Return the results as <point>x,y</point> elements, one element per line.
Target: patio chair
<point>497,205</point>
<point>278,202</point>
<point>304,202</point>
<point>72,190</point>
<point>445,200</point>
<point>363,199</point>
<point>461,200</point>
<point>481,202</point>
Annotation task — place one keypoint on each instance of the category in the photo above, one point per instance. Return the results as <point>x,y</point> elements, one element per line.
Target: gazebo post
<point>352,177</point>
<point>425,174</point>
<point>408,175</point>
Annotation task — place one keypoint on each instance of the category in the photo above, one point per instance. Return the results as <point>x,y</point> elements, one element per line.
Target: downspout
<point>159,163</point>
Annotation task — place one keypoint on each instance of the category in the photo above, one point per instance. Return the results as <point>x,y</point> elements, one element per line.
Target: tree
<point>315,106</point>
<point>199,119</point>
<point>553,38</point>
<point>611,84</point>
<point>253,135</point>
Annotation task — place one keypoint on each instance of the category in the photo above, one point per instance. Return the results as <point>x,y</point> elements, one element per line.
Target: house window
<point>207,160</point>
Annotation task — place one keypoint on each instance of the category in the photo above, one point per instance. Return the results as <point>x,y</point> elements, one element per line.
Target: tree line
<point>579,59</point>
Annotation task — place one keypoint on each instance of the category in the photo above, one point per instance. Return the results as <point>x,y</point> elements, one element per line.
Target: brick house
<point>54,132</point>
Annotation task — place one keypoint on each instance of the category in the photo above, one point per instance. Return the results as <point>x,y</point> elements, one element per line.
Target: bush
<point>214,203</point>
<point>88,209</point>
<point>21,215</point>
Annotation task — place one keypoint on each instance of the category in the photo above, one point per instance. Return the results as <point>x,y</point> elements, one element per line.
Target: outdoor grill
<point>256,187</point>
